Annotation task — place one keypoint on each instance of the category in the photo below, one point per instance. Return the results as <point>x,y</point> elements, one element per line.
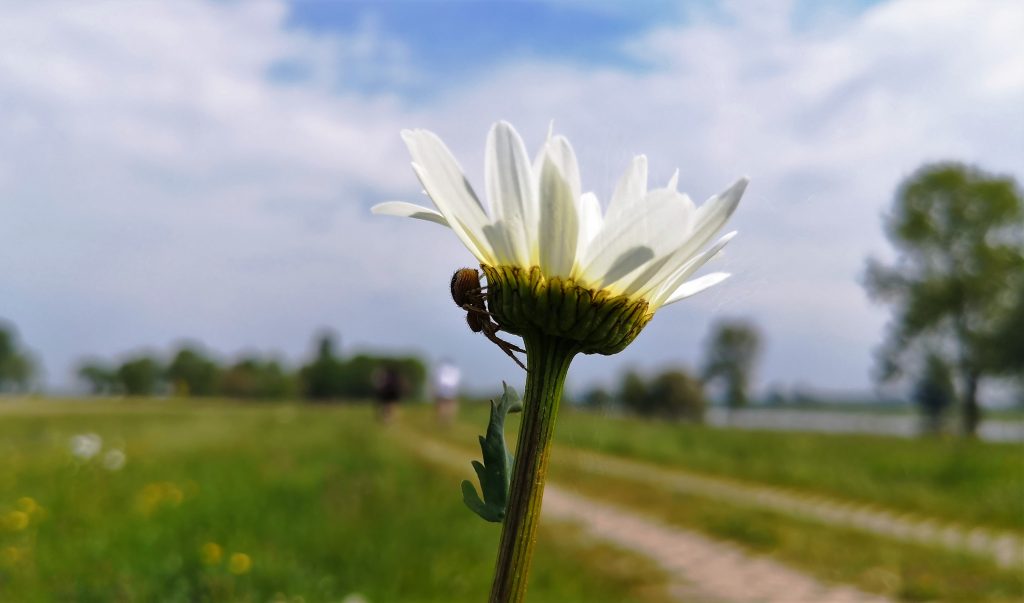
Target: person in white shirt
<point>446,388</point>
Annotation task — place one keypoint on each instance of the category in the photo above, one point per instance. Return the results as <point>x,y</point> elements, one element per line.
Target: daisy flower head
<point>556,263</point>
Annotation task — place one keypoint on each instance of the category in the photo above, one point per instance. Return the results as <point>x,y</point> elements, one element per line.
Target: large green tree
<point>959,236</point>
<point>732,351</point>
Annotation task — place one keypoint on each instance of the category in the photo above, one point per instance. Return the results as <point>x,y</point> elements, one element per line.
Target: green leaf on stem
<point>495,473</point>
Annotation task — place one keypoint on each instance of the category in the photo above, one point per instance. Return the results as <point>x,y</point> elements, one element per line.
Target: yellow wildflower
<point>16,521</point>
<point>27,504</point>
<point>239,564</point>
<point>159,494</point>
<point>172,494</point>
<point>9,555</point>
<point>211,553</point>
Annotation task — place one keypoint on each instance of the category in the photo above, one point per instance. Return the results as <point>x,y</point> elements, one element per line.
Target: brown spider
<point>469,295</point>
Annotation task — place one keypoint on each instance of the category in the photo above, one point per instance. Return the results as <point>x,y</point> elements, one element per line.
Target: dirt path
<point>1005,549</point>
<point>699,568</point>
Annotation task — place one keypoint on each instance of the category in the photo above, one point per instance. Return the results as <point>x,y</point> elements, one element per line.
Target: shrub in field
<point>673,394</point>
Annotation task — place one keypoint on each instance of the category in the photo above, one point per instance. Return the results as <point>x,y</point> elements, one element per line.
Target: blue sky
<point>451,42</point>
<point>202,169</point>
<point>455,40</point>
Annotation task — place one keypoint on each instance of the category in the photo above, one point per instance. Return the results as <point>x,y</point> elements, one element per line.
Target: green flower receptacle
<point>528,304</point>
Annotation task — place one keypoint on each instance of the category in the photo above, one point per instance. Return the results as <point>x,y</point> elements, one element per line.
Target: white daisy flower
<point>114,460</point>
<point>646,245</point>
<point>84,446</point>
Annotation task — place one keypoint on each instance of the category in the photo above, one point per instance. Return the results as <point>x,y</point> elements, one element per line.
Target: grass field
<point>231,502</point>
<point>971,483</point>
<point>257,503</point>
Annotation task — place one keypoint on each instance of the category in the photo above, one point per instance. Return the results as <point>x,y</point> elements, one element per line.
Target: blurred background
<point>197,310</point>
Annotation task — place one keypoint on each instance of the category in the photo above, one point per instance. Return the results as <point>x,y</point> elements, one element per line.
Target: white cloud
<point>826,125</point>
<point>155,182</point>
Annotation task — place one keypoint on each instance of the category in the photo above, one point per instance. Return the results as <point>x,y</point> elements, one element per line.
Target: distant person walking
<point>446,388</point>
<point>389,389</point>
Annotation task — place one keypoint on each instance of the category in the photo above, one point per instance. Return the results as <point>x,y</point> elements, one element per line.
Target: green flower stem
<point>548,361</point>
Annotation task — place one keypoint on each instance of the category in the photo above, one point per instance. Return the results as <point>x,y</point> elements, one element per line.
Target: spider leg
<point>514,347</point>
<point>492,328</point>
<point>469,308</point>
<point>505,346</point>
<point>495,328</point>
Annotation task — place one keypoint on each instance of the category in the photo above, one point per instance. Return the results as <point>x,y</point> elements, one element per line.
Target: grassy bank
<point>970,482</point>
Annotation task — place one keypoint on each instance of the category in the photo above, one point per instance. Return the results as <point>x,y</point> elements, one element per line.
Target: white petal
<point>630,190</point>
<point>628,263</point>
<point>447,187</point>
<point>558,149</point>
<point>509,181</point>
<point>673,182</point>
<point>696,286</point>
<point>591,221</point>
<point>684,261</point>
<point>708,220</point>
<point>408,210</point>
<point>497,236</point>
<point>681,275</point>
<point>559,223</point>
<point>714,212</point>
<point>661,222</point>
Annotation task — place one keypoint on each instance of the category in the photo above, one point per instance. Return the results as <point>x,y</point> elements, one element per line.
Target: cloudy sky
<point>204,170</point>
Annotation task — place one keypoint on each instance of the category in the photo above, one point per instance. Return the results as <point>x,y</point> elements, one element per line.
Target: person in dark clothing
<point>389,391</point>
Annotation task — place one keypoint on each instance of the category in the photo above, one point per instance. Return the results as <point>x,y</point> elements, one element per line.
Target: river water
<point>909,425</point>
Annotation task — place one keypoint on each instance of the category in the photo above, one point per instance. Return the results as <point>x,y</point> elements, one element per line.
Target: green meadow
<point>225,501</point>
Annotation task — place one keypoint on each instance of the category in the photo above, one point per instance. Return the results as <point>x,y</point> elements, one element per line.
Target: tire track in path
<point>1003,548</point>
<point>699,568</point>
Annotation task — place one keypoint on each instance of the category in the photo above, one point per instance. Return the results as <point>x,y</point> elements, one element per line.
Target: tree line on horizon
<point>190,371</point>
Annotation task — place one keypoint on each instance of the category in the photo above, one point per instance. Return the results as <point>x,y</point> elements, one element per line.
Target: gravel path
<point>1005,549</point>
<point>699,568</point>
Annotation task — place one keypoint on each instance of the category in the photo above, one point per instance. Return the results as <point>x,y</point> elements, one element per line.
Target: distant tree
<point>140,376</point>
<point>359,375</point>
<point>959,234</point>
<point>193,373</point>
<point>675,394</point>
<point>324,378</point>
<point>597,398</point>
<point>776,396</point>
<point>16,365</point>
<point>356,378</point>
<point>99,377</point>
<point>633,393</point>
<point>254,378</point>
<point>934,392</point>
<point>732,351</point>
<point>672,394</point>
